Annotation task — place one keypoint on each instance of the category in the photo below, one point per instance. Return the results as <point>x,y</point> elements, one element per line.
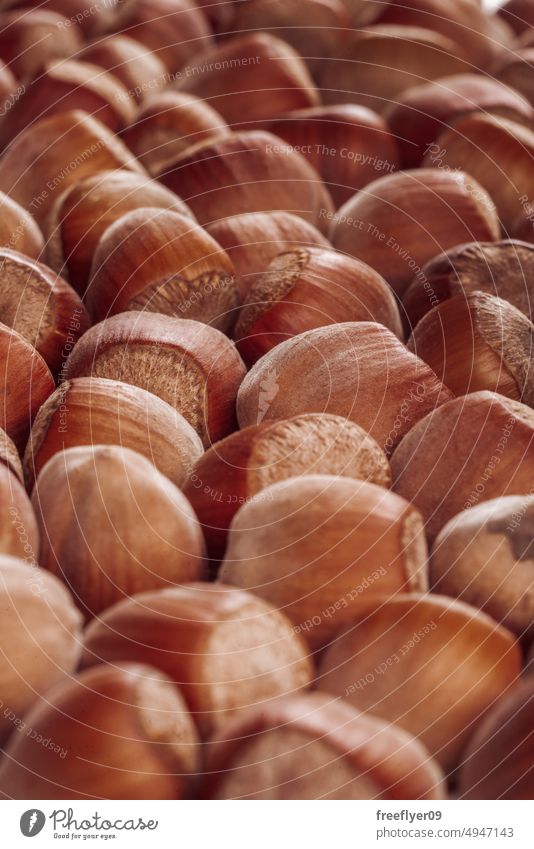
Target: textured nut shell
<point>485,557</point>
<point>321,749</point>
<point>40,636</point>
<point>401,221</point>
<point>120,527</point>
<point>320,547</point>
<point>30,38</point>
<point>498,268</point>
<point>275,81</point>
<point>191,366</point>
<point>9,455</point>
<point>475,448</point>
<point>357,370</point>
<point>253,239</point>
<point>139,69</point>
<point>119,732</point>
<point>89,411</point>
<point>437,689</point>
<point>476,341</point>
<point>18,230</point>
<point>227,649</point>
<point>19,534</point>
<point>246,172</point>
<point>238,468</point>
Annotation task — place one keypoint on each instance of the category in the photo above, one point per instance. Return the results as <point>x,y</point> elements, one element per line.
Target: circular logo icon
<point>32,822</point>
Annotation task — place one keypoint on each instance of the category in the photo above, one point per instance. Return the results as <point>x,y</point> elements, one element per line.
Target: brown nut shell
<point>19,534</point>
<point>18,230</point>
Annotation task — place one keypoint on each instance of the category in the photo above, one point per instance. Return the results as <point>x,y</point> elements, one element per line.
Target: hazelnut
<point>399,222</point>
<point>19,535</point>
<point>307,288</point>
<point>499,759</point>
<point>40,638</point>
<point>362,12</point>
<point>235,470</point>
<point>498,268</point>
<point>472,449</point>
<point>515,70</point>
<point>320,547</point>
<point>253,239</point>
<point>18,230</point>
<point>518,14</point>
<point>122,527</point>
<point>428,663</point>
<point>40,306</point>
<point>82,213</point>
<point>100,18</point>
<point>66,85</point>
<point>174,30</point>
<point>31,37</point>
<point>359,370</point>
<point>250,78</point>
<point>247,172</point>
<point>26,384</point>
<point>312,747</point>
<point>9,456</point>
<point>89,411</point>
<point>348,145</point>
<point>484,556</point>
<point>465,23</point>
<point>315,30</point>
<point>139,70</point>
<point>380,62</point>
<point>477,341</point>
<point>167,124</point>
<point>226,649</point>
<point>497,153</point>
<point>47,158</point>
<point>218,12</point>
<point>190,365</point>
<point>422,112</point>
<point>116,732</point>
<point>161,261</point>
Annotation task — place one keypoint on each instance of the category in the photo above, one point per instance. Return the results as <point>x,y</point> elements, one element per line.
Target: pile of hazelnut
<point>267,383</point>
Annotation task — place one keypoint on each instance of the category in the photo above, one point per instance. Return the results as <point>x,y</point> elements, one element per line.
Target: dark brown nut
<point>485,555</point>
<point>26,383</point>
<point>133,64</point>
<point>56,153</point>
<point>253,239</point>
<point>18,230</point>
<point>31,37</point>
<point>66,85</point>
<point>19,534</point>
<point>357,370</point>
<point>316,29</point>
<point>399,222</point>
<point>498,268</point>
<point>82,213</point>
<point>40,638</point>
<point>380,62</point>
<point>474,448</point>
<point>517,71</point>
<point>323,548</point>
<point>250,78</point>
<point>348,145</point>
<point>91,411</point>
<point>497,153</point>
<point>117,732</point>
<point>313,747</point>
<point>163,262</point>
<point>499,758</point>
<point>120,528</point>
<point>430,664</point>
<point>307,288</point>
<point>237,469</point>
<point>167,124</point>
<point>421,113</point>
<point>40,306</point>
<point>190,365</point>
<point>225,648</point>
<point>9,455</point>
<point>247,172</point>
<point>518,14</point>
<point>174,30</point>
<point>477,341</point>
